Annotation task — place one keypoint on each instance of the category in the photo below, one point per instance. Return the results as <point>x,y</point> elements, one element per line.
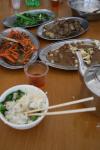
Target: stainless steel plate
<point>89,9</point>
<point>44,52</point>
<point>34,41</point>
<point>83,23</point>
<point>9,21</point>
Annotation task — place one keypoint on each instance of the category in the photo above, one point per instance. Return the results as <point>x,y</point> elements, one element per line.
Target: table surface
<point>75,131</point>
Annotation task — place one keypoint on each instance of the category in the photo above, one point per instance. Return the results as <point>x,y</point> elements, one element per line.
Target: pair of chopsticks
<point>36,111</point>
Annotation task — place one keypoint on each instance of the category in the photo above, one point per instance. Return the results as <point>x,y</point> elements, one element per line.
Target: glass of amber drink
<point>36,73</point>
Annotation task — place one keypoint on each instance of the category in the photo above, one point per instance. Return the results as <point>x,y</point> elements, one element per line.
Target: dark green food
<point>33,118</point>
<point>10,97</point>
<point>14,96</point>
<point>29,19</point>
<point>2,108</point>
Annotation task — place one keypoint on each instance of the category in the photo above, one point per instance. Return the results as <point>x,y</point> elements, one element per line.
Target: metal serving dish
<point>83,23</point>
<point>9,21</point>
<point>88,9</point>
<point>43,53</point>
<point>34,41</point>
<point>90,74</point>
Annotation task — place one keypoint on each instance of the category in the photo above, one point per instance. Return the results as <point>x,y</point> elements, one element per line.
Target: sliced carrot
<point>8,58</point>
<point>14,56</point>
<point>13,51</point>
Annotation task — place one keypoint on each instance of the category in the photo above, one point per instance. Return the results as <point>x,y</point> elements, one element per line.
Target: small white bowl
<point>23,88</point>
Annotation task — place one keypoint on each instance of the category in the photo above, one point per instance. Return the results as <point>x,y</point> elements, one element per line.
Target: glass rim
<point>32,63</point>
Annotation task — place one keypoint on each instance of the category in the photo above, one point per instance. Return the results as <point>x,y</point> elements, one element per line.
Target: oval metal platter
<point>9,21</point>
<point>34,41</point>
<point>43,53</point>
<point>83,23</point>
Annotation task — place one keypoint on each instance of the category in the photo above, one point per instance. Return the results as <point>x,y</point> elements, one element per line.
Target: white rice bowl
<point>25,88</point>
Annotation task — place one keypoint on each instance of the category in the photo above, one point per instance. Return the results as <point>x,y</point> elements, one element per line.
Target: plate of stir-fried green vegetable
<point>28,19</point>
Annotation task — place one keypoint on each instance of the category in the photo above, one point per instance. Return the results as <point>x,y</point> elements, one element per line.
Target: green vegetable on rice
<point>10,97</point>
<point>2,108</point>
<point>15,95</point>
<point>17,103</point>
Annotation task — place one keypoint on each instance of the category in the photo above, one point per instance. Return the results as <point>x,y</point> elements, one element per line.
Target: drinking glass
<point>36,73</point>
<point>16,4</point>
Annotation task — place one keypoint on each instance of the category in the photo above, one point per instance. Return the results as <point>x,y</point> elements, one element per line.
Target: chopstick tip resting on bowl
<point>38,113</point>
<point>65,112</point>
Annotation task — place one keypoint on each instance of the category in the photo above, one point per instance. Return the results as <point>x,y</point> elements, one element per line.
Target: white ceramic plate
<point>23,88</point>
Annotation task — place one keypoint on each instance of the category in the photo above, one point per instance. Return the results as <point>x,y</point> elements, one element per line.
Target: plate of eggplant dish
<point>63,28</point>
